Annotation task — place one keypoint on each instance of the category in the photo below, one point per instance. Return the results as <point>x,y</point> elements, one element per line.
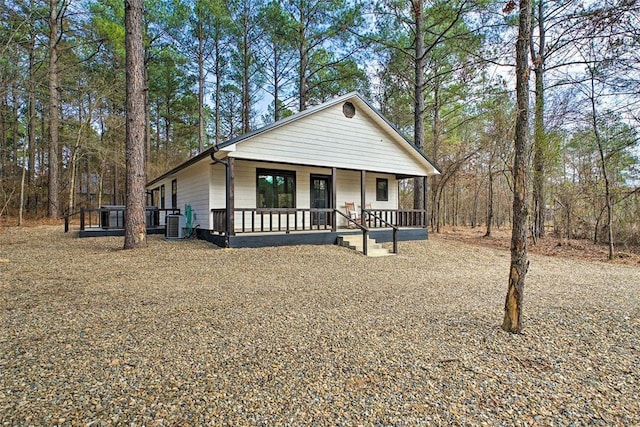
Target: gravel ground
<point>183,333</point>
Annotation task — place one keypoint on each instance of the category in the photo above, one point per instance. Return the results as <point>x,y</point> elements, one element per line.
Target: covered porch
<point>326,211</point>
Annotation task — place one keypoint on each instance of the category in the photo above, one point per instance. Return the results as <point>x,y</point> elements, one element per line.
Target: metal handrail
<point>369,213</point>
<point>365,230</point>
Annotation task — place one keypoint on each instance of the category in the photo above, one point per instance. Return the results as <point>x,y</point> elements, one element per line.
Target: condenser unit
<point>175,226</point>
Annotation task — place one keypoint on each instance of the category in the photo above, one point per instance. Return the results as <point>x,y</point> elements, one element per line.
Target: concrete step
<point>354,241</point>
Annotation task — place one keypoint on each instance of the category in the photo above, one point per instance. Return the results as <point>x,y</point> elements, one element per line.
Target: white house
<point>294,181</point>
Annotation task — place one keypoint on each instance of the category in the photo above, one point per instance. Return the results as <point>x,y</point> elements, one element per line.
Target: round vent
<point>349,110</point>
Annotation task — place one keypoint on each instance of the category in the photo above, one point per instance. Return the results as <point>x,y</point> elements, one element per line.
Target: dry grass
<point>183,333</point>
<point>550,245</point>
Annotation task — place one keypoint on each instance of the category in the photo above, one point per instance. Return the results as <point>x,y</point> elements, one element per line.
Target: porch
<point>255,227</point>
<point>287,220</point>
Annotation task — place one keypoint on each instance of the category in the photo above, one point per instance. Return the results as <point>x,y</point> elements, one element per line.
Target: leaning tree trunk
<point>134,226</point>
<point>512,321</point>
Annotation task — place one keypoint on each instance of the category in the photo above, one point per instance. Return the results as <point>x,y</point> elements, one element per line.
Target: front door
<point>320,199</point>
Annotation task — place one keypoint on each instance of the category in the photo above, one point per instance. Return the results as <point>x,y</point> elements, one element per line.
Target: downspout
<point>227,194</point>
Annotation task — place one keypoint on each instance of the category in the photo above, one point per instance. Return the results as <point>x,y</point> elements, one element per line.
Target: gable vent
<point>349,110</point>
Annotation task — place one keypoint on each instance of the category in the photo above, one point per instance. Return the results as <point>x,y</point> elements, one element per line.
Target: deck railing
<point>254,220</point>
<point>381,218</point>
<point>112,217</point>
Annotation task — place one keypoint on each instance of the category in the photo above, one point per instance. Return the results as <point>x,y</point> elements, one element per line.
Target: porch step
<point>354,241</point>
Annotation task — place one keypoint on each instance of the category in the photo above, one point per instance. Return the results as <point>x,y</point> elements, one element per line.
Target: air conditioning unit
<point>175,227</point>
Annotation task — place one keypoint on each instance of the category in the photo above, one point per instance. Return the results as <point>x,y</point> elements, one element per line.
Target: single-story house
<point>331,169</point>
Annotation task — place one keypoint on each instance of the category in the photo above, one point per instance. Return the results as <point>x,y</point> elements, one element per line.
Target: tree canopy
<point>442,71</point>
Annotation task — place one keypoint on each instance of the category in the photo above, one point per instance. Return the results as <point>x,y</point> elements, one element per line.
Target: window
<point>276,189</point>
<point>382,189</point>
<point>151,201</point>
<point>162,197</point>
<point>174,194</point>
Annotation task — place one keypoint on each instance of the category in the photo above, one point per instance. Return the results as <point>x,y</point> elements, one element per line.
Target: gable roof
<point>355,97</point>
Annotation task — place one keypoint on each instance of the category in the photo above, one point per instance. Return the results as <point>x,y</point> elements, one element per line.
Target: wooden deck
<point>109,221</point>
<point>106,232</point>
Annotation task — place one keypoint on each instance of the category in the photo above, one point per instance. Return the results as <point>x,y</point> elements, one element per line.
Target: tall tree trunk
<point>218,103</point>
<point>31,111</point>
<point>147,125</point>
<point>512,321</point>
<point>418,106</point>
<point>201,82</point>
<point>135,224</point>
<point>73,164</point>
<point>603,166</point>
<point>116,185</point>
<point>53,109</point>
<point>569,225</point>
<point>103,167</point>
<point>4,141</point>
<point>15,129</point>
<point>246,71</point>
<point>303,59</point>
<point>540,142</point>
<point>276,85</point>
<point>302,73</point>
<point>489,204</point>
<point>20,209</point>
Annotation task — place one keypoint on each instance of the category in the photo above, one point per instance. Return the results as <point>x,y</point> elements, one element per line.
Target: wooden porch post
<point>230,196</point>
<point>363,193</point>
<point>334,199</point>
<point>424,202</point>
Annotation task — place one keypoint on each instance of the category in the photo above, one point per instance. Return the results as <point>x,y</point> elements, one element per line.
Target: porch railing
<point>381,218</point>
<point>254,220</point>
<point>112,217</point>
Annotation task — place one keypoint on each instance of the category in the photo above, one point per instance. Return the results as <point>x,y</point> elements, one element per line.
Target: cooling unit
<point>175,226</point>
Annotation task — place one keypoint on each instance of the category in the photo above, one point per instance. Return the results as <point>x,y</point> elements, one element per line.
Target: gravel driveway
<point>184,333</point>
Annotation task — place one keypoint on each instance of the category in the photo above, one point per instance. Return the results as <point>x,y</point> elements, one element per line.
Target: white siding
<point>218,186</point>
<point>245,182</point>
<point>328,138</point>
<point>348,183</point>
<point>203,186</point>
<point>193,189</point>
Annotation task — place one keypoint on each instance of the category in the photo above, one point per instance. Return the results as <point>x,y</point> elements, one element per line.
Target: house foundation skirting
<point>261,240</point>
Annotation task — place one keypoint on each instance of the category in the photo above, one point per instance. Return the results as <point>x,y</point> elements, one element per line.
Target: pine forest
<point>443,72</point>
